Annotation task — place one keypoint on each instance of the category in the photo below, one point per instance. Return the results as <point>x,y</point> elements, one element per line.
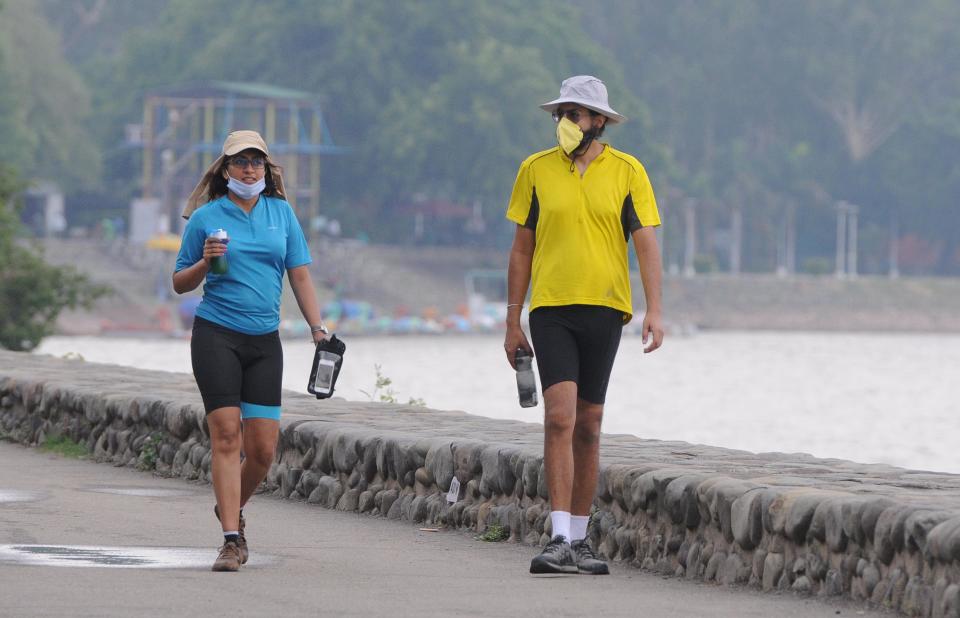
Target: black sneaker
<point>556,557</point>
<point>241,538</point>
<point>587,561</point>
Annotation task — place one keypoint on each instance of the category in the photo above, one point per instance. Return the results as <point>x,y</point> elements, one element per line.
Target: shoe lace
<point>584,551</point>
<point>230,547</point>
<point>555,545</point>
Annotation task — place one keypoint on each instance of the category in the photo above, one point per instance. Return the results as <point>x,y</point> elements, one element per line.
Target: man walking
<point>576,207</point>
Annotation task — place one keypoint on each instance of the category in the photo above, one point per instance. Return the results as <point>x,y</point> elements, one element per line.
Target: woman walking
<point>235,349</point>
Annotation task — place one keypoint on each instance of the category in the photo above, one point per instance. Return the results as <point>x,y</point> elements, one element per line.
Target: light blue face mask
<point>245,191</point>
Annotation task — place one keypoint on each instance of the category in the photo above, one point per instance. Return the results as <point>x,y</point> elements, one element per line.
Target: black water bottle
<point>526,380</point>
<point>327,360</point>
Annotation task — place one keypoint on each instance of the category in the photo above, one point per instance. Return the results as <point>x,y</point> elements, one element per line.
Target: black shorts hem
<point>576,343</point>
<point>231,367</point>
<point>211,403</point>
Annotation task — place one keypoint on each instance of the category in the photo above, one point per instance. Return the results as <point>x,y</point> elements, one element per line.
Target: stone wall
<point>884,535</point>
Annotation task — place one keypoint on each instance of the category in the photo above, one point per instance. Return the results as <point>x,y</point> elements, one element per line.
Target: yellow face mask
<point>569,135</point>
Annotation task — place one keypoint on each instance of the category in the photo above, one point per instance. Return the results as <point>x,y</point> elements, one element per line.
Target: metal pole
<point>791,238</point>
<point>852,246</point>
<point>270,123</point>
<point>736,239</point>
<point>894,246</point>
<point>208,119</point>
<point>196,125</point>
<point>690,242</point>
<point>314,172</point>
<point>148,145</point>
<point>782,248</point>
<point>166,176</point>
<point>841,239</point>
<point>292,180</point>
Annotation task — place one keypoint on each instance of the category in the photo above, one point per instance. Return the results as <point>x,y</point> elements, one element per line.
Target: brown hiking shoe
<point>242,540</point>
<point>229,558</point>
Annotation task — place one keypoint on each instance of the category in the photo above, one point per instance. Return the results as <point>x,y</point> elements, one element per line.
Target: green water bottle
<point>218,265</point>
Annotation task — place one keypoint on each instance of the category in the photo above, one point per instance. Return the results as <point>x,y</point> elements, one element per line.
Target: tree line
<point>755,119</point>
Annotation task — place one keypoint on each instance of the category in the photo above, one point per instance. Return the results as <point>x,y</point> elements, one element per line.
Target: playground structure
<point>183,131</point>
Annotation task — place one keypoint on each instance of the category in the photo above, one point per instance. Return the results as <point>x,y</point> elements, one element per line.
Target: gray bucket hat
<point>588,91</point>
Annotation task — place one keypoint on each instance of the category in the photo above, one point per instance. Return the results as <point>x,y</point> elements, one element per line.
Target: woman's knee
<point>226,440</point>
<point>260,454</point>
<point>225,430</point>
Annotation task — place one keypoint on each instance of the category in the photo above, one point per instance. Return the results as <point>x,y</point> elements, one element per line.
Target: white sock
<point>578,527</point>
<point>560,521</point>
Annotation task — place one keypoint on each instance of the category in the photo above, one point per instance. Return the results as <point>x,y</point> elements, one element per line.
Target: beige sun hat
<point>236,142</point>
<point>588,91</point>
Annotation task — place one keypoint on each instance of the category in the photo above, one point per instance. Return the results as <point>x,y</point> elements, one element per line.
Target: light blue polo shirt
<point>263,245</point>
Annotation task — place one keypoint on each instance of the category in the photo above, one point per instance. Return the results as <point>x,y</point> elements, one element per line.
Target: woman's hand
<point>319,335</point>
<point>213,247</point>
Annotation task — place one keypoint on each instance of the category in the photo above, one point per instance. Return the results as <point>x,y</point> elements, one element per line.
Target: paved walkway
<point>305,560</point>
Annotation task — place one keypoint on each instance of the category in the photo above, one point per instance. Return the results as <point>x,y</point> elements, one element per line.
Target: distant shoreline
<point>417,280</point>
<point>819,304</point>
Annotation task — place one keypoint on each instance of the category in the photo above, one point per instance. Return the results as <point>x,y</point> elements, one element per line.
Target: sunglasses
<point>242,162</point>
<point>572,114</point>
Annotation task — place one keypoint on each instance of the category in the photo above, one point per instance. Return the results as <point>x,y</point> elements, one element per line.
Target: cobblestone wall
<point>884,535</point>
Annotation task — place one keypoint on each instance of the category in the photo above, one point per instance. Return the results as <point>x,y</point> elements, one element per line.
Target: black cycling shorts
<point>233,369</point>
<point>576,343</point>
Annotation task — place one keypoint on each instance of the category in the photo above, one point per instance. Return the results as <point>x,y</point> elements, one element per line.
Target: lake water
<point>865,397</point>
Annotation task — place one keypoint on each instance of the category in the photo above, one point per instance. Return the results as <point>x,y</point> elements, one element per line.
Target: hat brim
<point>612,116</point>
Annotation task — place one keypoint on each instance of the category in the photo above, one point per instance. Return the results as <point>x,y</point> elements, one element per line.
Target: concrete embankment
<point>772,521</point>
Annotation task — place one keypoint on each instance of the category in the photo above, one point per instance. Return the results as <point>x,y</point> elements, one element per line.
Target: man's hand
<point>514,339</point>
<point>652,331</point>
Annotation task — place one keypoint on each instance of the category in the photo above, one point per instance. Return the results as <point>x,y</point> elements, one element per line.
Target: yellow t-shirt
<point>583,226</point>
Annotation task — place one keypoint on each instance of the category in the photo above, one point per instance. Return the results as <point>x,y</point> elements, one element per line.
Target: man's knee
<point>589,419</point>
<point>587,434</point>
<point>558,421</point>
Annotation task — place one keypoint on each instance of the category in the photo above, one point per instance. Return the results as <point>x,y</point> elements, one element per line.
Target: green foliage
<point>797,103</point>
<point>436,99</point>
<point>494,533</point>
<point>383,390</point>
<point>64,446</point>
<point>704,263</point>
<point>150,451</point>
<point>817,266</point>
<point>32,292</point>
<point>764,106</point>
<point>43,102</point>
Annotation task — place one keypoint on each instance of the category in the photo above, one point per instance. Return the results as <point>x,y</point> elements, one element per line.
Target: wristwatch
<point>321,328</point>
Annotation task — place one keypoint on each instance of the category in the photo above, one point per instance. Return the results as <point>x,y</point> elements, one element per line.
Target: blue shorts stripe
<point>255,410</point>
